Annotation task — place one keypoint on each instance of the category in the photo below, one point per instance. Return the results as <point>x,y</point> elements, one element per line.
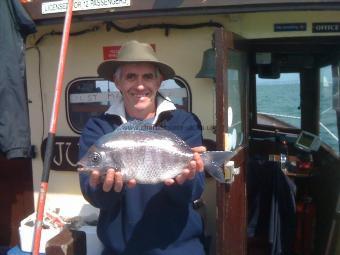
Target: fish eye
<point>95,157</point>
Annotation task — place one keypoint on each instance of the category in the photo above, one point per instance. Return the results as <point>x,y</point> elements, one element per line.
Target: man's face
<point>139,84</point>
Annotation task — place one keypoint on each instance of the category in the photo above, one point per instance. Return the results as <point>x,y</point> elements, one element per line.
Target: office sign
<point>328,27</point>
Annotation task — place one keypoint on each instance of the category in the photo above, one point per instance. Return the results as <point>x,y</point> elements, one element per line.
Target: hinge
<point>230,171</point>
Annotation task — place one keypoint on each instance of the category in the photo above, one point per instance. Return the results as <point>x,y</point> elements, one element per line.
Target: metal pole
<point>52,130</point>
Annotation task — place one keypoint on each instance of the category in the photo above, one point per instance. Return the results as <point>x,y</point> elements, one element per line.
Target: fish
<point>147,153</point>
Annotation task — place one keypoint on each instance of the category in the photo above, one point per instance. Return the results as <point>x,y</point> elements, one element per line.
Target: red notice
<point>111,52</point>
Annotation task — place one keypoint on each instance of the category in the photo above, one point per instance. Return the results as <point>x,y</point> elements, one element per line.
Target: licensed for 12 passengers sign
<point>81,5</point>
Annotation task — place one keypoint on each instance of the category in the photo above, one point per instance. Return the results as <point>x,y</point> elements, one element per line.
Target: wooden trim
<point>232,211</point>
<point>231,198</point>
<point>220,127</point>
<point>298,45</point>
<point>221,77</point>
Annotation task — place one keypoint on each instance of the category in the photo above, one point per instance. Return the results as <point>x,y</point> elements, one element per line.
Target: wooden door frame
<point>230,198</point>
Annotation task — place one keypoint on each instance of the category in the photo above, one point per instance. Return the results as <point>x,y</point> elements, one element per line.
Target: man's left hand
<point>195,165</point>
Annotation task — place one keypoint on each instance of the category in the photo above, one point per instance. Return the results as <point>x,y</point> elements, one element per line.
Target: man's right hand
<point>113,179</point>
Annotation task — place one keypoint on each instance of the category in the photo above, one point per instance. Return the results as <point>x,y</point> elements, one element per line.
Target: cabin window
<point>278,101</point>
<point>330,106</point>
<point>91,97</point>
<point>236,88</point>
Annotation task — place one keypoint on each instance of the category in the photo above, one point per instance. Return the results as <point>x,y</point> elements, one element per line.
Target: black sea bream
<point>147,153</point>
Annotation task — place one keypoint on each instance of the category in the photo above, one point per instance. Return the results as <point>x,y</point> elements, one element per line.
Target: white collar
<point>117,108</point>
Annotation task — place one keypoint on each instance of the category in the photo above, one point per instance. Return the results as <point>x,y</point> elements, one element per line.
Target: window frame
<point>324,144</point>
<point>286,126</point>
<point>253,104</point>
<point>181,82</point>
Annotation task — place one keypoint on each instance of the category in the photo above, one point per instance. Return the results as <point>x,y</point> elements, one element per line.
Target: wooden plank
<point>16,199</point>
<point>220,127</point>
<point>235,212</point>
<point>231,198</point>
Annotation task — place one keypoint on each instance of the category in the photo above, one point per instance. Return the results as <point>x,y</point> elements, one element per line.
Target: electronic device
<point>307,141</point>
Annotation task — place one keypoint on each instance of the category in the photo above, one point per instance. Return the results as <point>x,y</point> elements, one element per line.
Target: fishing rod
<point>52,130</point>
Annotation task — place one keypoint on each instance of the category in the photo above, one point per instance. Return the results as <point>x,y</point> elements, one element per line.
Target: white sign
<point>81,5</point>
<point>105,97</point>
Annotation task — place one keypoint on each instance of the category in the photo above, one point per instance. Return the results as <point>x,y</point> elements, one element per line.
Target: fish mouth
<point>81,167</point>
<point>84,168</point>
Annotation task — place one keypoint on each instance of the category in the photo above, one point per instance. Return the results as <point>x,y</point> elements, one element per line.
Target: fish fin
<point>214,161</point>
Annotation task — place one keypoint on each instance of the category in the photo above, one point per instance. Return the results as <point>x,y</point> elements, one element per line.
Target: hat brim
<point>107,68</point>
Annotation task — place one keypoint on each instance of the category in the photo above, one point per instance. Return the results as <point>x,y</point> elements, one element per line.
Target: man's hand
<point>113,179</point>
<point>195,165</point>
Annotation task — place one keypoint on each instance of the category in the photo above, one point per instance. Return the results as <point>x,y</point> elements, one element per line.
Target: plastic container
<point>26,233</point>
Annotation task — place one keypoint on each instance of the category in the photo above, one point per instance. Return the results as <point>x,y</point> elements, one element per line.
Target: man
<point>138,218</point>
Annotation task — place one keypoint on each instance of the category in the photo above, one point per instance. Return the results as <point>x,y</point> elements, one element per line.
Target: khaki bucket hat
<point>133,52</point>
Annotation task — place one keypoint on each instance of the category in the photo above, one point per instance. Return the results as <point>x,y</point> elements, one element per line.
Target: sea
<point>282,101</point>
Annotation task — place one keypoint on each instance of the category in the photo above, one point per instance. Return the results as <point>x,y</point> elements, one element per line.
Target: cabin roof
<point>147,8</point>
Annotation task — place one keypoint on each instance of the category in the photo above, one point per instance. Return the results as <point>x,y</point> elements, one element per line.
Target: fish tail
<point>214,161</point>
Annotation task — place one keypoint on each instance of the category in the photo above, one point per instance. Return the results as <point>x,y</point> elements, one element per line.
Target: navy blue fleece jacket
<point>148,219</point>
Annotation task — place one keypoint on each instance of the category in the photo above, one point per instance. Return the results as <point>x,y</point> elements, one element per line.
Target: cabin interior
<point>267,88</point>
